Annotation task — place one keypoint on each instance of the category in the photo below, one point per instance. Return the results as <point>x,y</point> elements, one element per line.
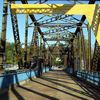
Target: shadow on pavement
<point>7,85</point>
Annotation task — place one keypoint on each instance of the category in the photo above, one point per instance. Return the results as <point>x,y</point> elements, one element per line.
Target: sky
<point>21,23</point>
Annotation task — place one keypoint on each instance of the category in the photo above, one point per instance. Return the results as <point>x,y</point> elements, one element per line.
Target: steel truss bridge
<point>56,27</point>
<point>63,23</point>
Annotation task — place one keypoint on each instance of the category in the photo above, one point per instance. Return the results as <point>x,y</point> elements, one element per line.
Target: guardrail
<point>92,77</point>
<point>69,70</point>
<point>15,77</point>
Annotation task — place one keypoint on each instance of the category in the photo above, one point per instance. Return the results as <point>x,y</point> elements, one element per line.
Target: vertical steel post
<point>65,60</point>
<point>50,61</point>
<point>35,41</point>
<point>26,37</point>
<point>17,39</point>
<point>3,35</point>
<point>83,49</point>
<point>89,47</point>
<point>48,55</point>
<point>33,53</point>
<point>43,51</point>
<point>72,55</point>
<point>78,52</point>
<point>40,51</point>
<point>68,64</point>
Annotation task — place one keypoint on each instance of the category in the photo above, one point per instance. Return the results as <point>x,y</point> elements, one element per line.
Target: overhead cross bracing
<point>86,14</point>
<point>58,8</point>
<point>66,26</point>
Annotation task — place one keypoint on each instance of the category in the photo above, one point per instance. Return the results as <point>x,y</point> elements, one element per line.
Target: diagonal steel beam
<point>34,20</point>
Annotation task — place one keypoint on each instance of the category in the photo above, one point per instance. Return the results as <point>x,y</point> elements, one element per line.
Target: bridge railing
<point>92,77</point>
<point>17,76</point>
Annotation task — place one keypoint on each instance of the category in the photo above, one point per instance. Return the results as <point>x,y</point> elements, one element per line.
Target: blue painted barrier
<point>91,77</point>
<point>69,70</point>
<point>7,79</point>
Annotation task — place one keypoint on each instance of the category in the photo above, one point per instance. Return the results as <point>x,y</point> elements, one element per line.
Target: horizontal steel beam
<point>72,25</point>
<point>55,9</point>
<point>57,30</point>
<point>47,39</point>
<point>55,18</point>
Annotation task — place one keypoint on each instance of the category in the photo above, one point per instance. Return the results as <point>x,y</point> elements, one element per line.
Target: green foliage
<point>10,53</point>
<point>60,47</point>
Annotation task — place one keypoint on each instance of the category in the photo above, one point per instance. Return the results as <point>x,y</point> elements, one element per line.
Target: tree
<point>10,53</point>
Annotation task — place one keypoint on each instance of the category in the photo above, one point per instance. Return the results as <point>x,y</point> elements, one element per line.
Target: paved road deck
<point>55,85</point>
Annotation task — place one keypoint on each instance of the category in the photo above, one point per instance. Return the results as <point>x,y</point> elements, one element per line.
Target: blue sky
<point>21,23</point>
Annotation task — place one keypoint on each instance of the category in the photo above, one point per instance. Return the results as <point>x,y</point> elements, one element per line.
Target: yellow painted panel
<point>37,6</point>
<point>98,34</point>
<point>49,6</point>
<point>79,9</point>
